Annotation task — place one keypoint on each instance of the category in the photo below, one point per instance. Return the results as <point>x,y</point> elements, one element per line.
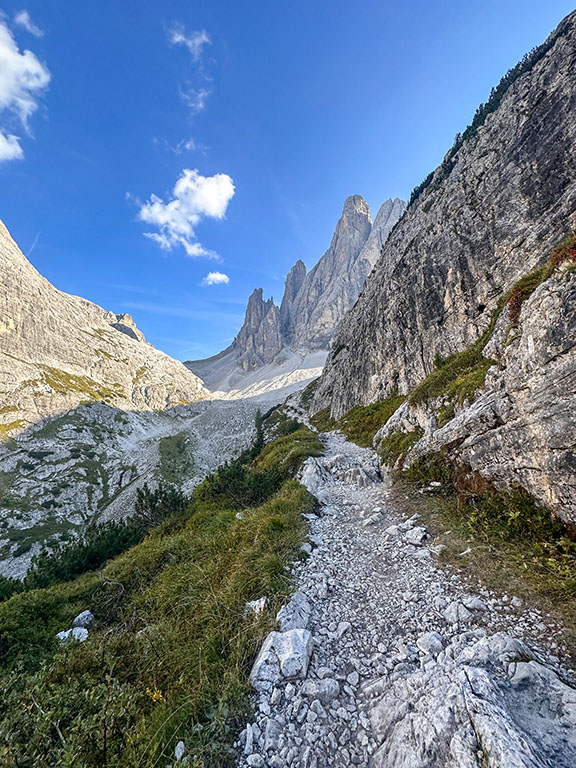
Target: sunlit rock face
<point>474,231</point>
<point>58,351</point>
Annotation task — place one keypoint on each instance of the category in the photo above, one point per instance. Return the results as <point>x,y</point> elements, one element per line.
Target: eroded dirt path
<point>408,669</point>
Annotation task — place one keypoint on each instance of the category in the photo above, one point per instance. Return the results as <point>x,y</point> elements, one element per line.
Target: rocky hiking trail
<point>383,658</point>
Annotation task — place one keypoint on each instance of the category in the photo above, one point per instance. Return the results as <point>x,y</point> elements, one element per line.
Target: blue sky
<point>229,128</point>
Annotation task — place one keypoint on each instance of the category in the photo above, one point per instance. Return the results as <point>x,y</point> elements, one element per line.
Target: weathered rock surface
<point>507,202</point>
<point>284,655</point>
<point>520,429</point>
<point>57,351</point>
<point>504,206</point>
<point>259,340</point>
<point>294,280</point>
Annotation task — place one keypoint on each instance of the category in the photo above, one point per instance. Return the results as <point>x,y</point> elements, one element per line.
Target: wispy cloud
<point>193,198</point>
<point>195,40</point>
<point>194,98</point>
<point>216,278</point>
<point>22,19</point>
<point>193,90</point>
<point>23,78</point>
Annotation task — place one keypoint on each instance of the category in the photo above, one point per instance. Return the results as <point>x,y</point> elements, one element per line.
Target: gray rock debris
<point>84,619</point>
<point>296,614</point>
<point>391,683</point>
<point>76,634</point>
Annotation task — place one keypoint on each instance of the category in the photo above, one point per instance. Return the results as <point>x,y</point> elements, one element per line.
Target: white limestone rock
<point>284,655</point>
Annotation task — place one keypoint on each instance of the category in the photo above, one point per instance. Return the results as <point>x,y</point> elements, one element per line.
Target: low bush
<point>396,445</point>
<point>323,421</point>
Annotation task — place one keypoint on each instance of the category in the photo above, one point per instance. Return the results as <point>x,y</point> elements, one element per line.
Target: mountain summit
<point>313,303</point>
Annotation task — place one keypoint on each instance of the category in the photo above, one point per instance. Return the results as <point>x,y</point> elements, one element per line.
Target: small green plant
<point>362,422</point>
<point>176,462</point>
<point>395,446</point>
<point>525,287</point>
<point>323,421</point>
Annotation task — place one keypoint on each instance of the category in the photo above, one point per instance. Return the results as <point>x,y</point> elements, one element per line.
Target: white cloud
<point>22,19</point>
<point>216,278</point>
<point>194,197</point>
<point>195,98</point>
<point>22,79</point>
<point>10,148</point>
<point>194,40</point>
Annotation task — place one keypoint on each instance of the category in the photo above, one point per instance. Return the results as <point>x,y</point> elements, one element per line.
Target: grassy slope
<point>172,646</point>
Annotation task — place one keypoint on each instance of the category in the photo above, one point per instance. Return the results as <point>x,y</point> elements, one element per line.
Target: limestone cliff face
<point>313,303</point>
<point>477,228</point>
<point>259,339</point>
<point>466,239</point>
<point>294,281</point>
<point>57,351</point>
<point>332,286</point>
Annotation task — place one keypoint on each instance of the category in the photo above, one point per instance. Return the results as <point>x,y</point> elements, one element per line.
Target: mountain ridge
<point>58,350</point>
<point>313,303</point>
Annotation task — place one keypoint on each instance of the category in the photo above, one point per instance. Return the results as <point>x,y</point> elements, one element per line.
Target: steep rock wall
<point>58,351</point>
<point>466,239</point>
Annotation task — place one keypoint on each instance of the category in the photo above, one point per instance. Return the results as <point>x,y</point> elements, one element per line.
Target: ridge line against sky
<point>149,143</point>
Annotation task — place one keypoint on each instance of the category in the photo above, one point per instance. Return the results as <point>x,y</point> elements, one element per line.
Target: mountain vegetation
<point>176,602</point>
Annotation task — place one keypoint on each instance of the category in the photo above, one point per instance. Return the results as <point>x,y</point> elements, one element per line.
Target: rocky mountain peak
<point>314,302</point>
<point>355,204</point>
<point>294,281</point>
<point>259,340</point>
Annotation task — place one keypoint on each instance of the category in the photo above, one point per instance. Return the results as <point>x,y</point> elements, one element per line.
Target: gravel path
<point>384,659</point>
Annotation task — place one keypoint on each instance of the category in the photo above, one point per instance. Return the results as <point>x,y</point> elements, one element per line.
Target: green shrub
<point>323,421</point>
<point>396,445</point>
<point>525,287</point>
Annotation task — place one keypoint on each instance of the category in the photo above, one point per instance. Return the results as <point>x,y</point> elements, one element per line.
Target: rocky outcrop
<point>479,226</point>
<point>294,280</point>
<point>259,339</point>
<point>331,287</point>
<point>520,429</point>
<point>472,232</point>
<point>57,351</point>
